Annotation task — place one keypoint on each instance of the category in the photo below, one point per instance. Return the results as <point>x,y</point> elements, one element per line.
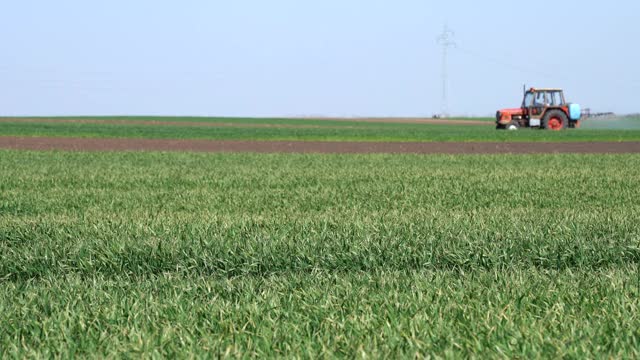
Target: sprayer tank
<point>574,111</point>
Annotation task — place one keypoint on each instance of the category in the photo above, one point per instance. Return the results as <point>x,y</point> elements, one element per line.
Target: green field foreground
<point>300,129</point>
<point>247,255</point>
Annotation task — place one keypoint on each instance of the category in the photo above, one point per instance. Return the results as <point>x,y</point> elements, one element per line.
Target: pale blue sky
<point>311,57</point>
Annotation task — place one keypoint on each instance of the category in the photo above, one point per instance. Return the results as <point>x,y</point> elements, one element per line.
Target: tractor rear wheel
<point>555,120</point>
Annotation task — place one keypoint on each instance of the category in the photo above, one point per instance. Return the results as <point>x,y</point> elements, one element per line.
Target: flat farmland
<point>314,238</point>
<point>127,254</point>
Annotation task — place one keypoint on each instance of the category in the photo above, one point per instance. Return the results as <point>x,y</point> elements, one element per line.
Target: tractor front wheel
<point>555,120</point>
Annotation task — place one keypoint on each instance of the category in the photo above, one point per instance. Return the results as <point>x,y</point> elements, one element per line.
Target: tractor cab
<point>541,108</point>
<point>536,101</point>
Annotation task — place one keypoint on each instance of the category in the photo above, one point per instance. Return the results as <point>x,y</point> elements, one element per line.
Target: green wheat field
<point>318,256</point>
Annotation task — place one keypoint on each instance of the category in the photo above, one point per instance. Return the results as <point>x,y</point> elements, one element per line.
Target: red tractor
<point>543,109</point>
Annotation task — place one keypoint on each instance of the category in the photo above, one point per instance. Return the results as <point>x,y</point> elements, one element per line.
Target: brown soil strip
<point>244,125</point>
<point>73,144</point>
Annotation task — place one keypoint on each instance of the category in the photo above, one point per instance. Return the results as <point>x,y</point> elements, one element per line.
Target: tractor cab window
<point>528,100</point>
<point>540,99</point>
<point>556,98</point>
